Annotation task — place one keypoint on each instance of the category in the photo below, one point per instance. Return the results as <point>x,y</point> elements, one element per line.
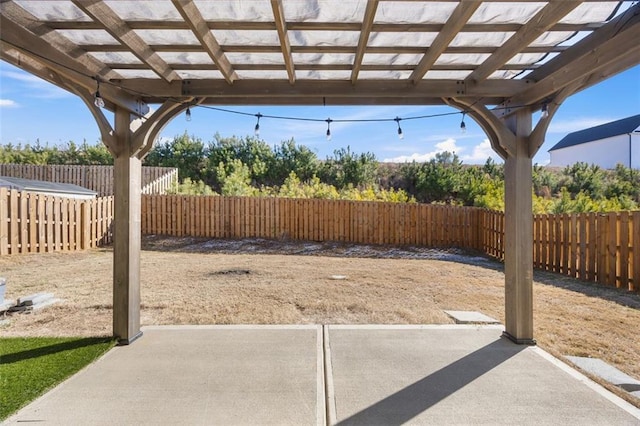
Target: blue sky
<point>32,109</point>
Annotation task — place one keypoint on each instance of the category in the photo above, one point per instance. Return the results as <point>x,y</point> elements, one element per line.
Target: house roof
<point>45,187</point>
<point>603,131</point>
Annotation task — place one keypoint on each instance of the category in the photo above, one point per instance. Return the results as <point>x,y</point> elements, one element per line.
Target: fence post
<point>86,224</point>
<point>4,221</point>
<point>635,244</point>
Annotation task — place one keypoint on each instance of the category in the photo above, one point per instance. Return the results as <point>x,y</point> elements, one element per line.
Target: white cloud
<point>478,155</point>
<point>35,86</point>
<point>8,103</point>
<point>573,125</point>
<point>446,145</point>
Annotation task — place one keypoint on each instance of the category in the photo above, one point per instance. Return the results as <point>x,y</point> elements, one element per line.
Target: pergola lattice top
<point>313,52</point>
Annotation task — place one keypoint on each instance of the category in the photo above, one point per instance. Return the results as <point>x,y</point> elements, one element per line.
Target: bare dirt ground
<point>196,281</point>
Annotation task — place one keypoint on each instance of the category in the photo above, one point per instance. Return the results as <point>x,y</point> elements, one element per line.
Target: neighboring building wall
<point>606,153</point>
<point>635,150</point>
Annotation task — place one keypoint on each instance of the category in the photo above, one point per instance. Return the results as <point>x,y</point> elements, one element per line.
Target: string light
<point>400,134</point>
<point>545,110</point>
<point>188,114</point>
<point>97,99</point>
<point>256,130</point>
<point>99,102</point>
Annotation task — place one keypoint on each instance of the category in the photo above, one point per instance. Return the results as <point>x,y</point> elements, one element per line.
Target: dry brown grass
<point>257,282</point>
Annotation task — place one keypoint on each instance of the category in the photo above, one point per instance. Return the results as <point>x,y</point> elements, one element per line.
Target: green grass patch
<point>30,366</point>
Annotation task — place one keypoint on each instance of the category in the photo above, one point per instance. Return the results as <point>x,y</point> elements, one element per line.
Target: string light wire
<point>99,100</point>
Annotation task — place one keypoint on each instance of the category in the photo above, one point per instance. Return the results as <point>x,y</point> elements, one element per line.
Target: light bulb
<point>400,134</point>
<point>98,101</point>
<point>545,111</point>
<point>463,127</point>
<point>328,120</point>
<point>256,130</point>
<point>188,114</point>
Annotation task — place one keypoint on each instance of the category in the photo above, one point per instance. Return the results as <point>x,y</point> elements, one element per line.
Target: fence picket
<point>623,258</point>
<point>613,250</point>
<point>635,248</point>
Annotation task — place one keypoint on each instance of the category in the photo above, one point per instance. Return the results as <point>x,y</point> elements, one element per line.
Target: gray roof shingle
<point>603,131</point>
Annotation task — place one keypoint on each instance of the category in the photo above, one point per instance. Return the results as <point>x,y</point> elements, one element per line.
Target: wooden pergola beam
<point>533,29</point>
<point>196,22</point>
<point>38,51</point>
<point>60,43</point>
<point>320,67</point>
<point>111,22</point>
<point>285,45</point>
<point>612,56</point>
<point>319,49</point>
<point>456,21</point>
<point>318,26</point>
<point>609,50</point>
<point>365,31</point>
<point>337,88</point>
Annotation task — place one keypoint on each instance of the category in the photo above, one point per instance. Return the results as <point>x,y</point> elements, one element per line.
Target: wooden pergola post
<point>126,233</point>
<point>518,235</point>
<point>128,141</point>
<point>133,140</point>
<point>511,136</point>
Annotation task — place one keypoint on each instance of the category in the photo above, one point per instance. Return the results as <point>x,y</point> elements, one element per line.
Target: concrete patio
<point>315,375</point>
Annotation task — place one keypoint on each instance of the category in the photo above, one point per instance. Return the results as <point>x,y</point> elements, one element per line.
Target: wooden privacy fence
<point>597,247</point>
<point>592,247</point>
<point>36,223</point>
<point>155,180</point>
<point>311,219</point>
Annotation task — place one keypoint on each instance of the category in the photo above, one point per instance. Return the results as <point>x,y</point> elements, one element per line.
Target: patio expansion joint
<point>329,391</point>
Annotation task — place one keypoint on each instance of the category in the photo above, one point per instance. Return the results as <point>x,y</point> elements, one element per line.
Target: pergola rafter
<point>456,21</point>
<point>119,30</point>
<point>285,45</point>
<point>471,55</point>
<point>197,24</point>
<point>365,30</point>
<point>533,29</point>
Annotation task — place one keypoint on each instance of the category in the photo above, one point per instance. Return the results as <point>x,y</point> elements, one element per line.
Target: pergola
<point>498,61</point>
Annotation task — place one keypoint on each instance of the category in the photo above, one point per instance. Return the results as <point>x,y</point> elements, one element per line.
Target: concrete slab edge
<point>233,327</point>
<point>613,398</point>
<point>321,409</point>
<point>417,326</point>
<point>332,416</point>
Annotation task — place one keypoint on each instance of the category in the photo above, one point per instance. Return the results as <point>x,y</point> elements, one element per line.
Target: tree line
<point>248,166</point>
